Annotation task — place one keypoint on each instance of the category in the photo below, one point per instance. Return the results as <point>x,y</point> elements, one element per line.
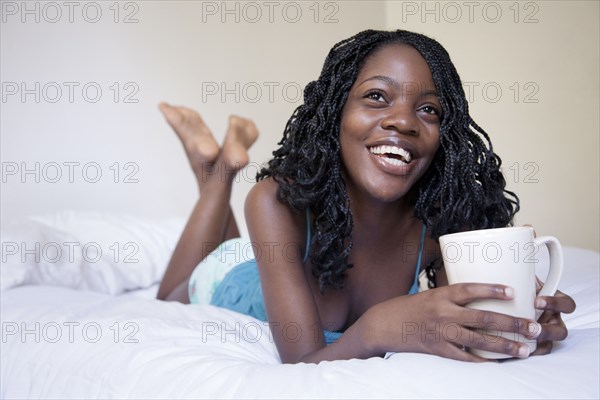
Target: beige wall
<point>547,132</point>
<point>210,56</point>
<point>177,50</point>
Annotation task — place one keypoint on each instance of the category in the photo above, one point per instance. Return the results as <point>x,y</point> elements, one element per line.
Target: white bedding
<point>64,342</point>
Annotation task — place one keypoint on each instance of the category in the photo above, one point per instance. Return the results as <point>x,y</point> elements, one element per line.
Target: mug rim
<point>482,232</point>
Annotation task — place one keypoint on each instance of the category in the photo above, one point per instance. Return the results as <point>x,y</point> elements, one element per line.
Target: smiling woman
<point>389,126</point>
<point>382,151</point>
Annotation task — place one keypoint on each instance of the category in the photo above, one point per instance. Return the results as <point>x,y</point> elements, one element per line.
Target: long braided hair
<point>463,188</point>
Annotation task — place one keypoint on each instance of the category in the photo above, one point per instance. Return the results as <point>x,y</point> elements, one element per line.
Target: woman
<point>380,160</point>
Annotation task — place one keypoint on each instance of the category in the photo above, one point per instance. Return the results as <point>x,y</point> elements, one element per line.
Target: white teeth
<point>395,161</point>
<point>399,151</point>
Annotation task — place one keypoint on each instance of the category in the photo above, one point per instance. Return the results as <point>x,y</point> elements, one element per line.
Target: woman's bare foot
<point>241,134</point>
<point>200,146</point>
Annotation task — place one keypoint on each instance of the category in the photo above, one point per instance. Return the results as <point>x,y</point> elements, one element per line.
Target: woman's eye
<point>375,95</point>
<point>430,110</point>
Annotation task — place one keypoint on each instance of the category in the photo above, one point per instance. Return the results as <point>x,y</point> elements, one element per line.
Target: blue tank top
<point>241,291</point>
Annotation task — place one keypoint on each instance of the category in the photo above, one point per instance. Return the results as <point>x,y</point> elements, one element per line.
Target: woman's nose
<point>402,119</point>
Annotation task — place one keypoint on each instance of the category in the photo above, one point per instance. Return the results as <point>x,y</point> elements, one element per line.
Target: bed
<point>84,323</point>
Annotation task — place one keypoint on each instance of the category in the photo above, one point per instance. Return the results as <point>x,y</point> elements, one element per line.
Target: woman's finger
<point>464,293</point>
<point>461,353</point>
<point>489,321</point>
<point>543,348</point>
<point>559,303</point>
<point>554,330</point>
<point>494,342</point>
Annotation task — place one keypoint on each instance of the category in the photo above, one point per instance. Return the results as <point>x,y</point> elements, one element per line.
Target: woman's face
<point>390,126</point>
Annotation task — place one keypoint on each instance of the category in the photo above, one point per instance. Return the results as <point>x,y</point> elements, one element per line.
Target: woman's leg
<point>212,220</point>
<point>200,147</point>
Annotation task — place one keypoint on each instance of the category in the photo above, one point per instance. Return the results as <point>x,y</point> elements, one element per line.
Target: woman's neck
<point>376,219</point>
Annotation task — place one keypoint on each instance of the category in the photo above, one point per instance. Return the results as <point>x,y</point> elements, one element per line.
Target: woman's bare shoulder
<point>263,207</point>
<point>263,191</point>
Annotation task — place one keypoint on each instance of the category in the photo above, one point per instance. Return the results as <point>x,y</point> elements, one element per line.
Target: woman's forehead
<point>396,60</point>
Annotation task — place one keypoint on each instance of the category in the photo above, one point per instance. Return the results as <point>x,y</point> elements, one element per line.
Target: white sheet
<point>203,351</point>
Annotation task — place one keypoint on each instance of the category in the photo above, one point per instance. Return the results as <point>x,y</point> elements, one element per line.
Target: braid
<point>463,189</point>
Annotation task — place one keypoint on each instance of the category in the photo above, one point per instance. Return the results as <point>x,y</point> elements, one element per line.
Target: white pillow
<point>102,252</point>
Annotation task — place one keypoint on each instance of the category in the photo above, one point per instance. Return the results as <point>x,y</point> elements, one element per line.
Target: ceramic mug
<point>505,256</point>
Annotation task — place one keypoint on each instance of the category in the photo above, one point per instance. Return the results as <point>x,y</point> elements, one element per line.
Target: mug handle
<point>556,267</point>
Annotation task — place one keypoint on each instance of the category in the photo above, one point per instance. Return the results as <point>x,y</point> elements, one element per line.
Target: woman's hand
<point>553,327</point>
<point>437,322</point>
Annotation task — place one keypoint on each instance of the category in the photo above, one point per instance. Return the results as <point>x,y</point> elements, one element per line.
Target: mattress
<point>80,339</point>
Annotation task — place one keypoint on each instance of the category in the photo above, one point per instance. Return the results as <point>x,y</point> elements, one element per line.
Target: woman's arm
<point>434,321</point>
<point>279,234</point>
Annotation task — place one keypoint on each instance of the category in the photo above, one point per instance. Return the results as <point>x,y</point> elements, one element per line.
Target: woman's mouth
<point>393,155</point>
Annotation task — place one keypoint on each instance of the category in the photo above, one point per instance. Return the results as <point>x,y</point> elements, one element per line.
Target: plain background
<point>531,70</point>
